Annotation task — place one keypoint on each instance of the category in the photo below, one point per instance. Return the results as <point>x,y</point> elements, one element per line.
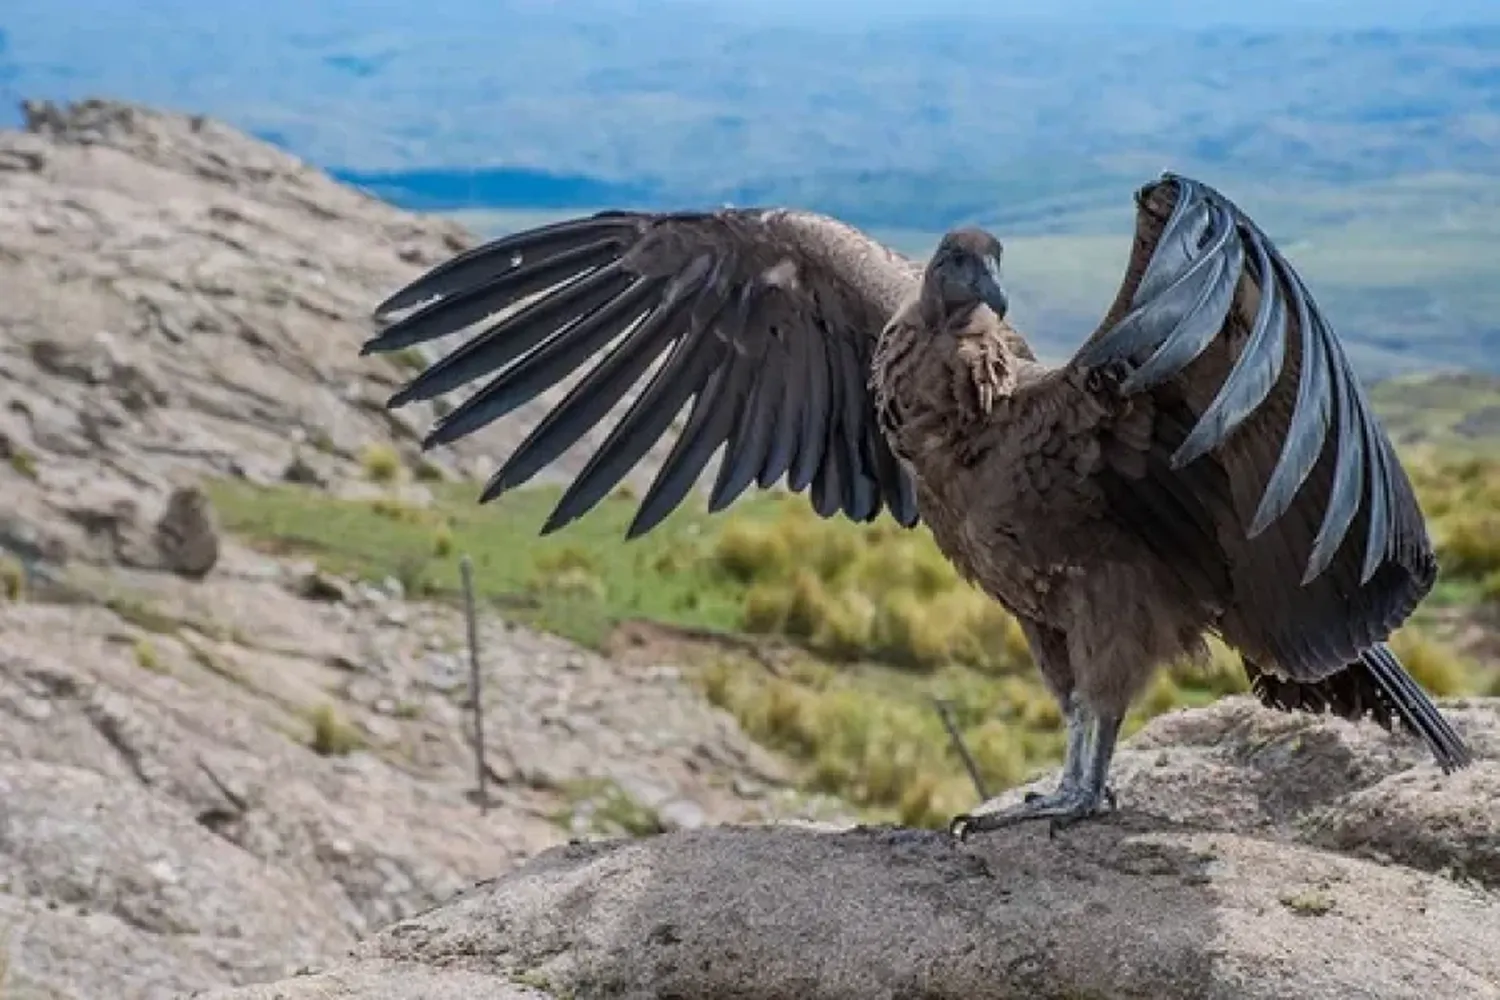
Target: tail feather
<point>1376,687</point>
<point>1415,708</point>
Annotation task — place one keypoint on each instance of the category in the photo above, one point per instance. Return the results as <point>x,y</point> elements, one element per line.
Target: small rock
<point>681,814</point>
<point>444,672</point>
<point>748,788</point>
<point>381,730</point>
<point>645,794</point>
<point>187,534</point>
<point>316,585</point>
<point>364,690</point>
<point>367,593</point>
<point>299,470</point>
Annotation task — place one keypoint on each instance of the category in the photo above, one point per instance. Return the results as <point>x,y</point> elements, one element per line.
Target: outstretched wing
<point>1265,455</point>
<point>764,319</point>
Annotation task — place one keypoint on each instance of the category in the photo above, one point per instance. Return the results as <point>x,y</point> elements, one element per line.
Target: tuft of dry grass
<point>871,736</point>
<point>1461,499</point>
<point>442,541</point>
<point>23,462</point>
<point>332,735</point>
<point>864,591</point>
<point>147,657</point>
<point>381,463</point>
<point>12,579</point>
<point>1437,666</point>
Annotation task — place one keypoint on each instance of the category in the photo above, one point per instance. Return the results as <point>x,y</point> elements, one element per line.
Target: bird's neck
<point>981,353</point>
<point>937,305</point>
<point>937,386</point>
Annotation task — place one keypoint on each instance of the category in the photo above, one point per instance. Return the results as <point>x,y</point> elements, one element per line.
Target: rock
<point>302,472</point>
<point>99,362</point>
<point>395,982</point>
<point>187,533</point>
<point>166,826</point>
<point>314,584</point>
<point>1212,883</point>
<point>681,814</point>
<point>1117,910</point>
<point>31,543</point>
<point>182,295</point>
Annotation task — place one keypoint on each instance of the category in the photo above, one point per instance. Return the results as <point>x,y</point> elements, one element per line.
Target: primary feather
<point>766,320</point>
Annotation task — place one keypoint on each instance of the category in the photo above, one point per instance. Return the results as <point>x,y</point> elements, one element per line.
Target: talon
<point>1109,796</point>
<point>959,827</point>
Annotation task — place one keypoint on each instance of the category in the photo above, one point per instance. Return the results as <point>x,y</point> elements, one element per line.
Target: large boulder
<point>1256,855</point>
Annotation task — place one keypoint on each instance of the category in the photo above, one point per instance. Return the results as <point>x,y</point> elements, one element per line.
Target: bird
<point>1205,464</point>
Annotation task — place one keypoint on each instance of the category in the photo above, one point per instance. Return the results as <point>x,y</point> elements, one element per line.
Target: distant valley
<point>1372,156</point>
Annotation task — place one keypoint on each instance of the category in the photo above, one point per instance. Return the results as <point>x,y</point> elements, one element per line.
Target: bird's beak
<point>990,291</point>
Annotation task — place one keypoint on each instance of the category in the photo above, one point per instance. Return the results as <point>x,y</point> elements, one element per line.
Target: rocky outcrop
<point>218,781</point>
<point>1257,856</point>
<point>184,300</point>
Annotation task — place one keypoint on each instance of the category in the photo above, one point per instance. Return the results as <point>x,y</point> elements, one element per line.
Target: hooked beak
<point>990,291</point>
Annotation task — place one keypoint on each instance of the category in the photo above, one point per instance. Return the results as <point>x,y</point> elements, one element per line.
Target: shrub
<point>381,463</point>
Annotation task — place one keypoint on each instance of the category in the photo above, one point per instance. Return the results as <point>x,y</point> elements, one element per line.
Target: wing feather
<point>763,322</point>
<point>1314,548</point>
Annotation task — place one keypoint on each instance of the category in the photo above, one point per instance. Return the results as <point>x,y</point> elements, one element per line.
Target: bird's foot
<point>1068,805</point>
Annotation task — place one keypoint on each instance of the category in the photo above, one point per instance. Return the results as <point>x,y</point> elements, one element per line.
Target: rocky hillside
<point>1260,857</point>
<point>221,767</point>
<point>217,766</point>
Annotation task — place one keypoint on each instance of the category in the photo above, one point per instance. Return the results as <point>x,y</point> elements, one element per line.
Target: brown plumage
<point>1207,463</point>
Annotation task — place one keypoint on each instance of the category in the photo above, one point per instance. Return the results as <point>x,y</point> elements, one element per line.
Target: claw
<point>1063,808</point>
<point>1082,793</point>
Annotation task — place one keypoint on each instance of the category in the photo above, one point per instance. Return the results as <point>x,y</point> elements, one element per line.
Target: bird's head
<point>965,271</point>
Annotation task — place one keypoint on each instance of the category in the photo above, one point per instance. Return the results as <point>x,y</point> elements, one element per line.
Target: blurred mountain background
<point>1364,136</point>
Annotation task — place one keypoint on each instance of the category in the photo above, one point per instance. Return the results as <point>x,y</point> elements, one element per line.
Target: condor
<point>1206,463</point>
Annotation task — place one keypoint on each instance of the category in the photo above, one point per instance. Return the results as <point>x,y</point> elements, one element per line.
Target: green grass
<point>885,623</point>
<point>869,732</point>
<point>577,583</point>
<point>611,811</point>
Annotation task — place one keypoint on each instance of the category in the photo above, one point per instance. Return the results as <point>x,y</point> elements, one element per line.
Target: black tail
<point>1377,687</point>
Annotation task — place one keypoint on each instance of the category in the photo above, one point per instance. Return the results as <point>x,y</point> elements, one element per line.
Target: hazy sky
<point>1179,13</point>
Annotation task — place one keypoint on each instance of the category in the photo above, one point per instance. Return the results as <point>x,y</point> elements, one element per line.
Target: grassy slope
<point>884,622</point>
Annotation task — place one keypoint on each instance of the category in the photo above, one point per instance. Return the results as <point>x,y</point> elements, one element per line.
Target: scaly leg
<point>1082,793</point>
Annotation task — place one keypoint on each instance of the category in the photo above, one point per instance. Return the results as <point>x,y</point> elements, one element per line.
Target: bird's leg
<point>1075,750</point>
<point>1081,793</point>
<point>1096,794</point>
